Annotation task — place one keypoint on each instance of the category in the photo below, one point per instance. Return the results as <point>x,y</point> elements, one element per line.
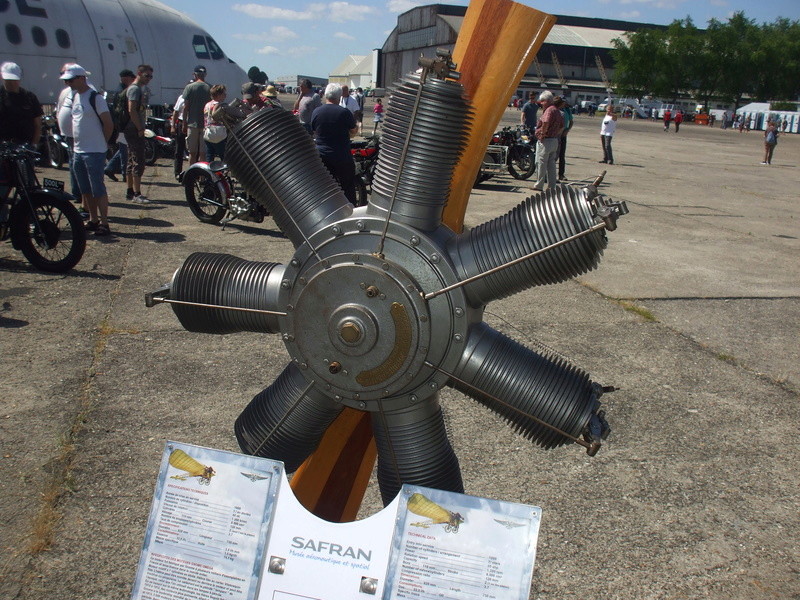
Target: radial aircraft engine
<point>382,306</point>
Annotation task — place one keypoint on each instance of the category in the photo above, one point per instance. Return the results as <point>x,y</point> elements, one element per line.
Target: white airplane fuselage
<point>106,36</point>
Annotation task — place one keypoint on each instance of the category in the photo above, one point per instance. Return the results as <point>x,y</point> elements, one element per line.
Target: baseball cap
<point>200,69</point>
<point>73,71</point>
<point>271,92</point>
<point>11,71</point>
<point>250,90</point>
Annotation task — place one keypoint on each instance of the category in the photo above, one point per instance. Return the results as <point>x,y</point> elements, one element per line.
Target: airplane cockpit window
<point>13,34</point>
<point>200,48</point>
<point>216,51</point>
<point>39,36</point>
<point>62,38</point>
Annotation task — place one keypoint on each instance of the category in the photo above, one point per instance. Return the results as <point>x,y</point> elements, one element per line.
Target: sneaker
<point>763,162</point>
<point>91,225</point>
<point>129,194</point>
<point>111,175</point>
<point>538,189</point>
<point>141,199</point>
<point>102,230</point>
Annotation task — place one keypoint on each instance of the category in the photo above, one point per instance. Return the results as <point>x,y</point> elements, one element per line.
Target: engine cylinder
<point>422,176</point>
<point>225,280</point>
<point>535,223</point>
<point>277,162</point>
<point>414,442</point>
<point>529,384</point>
<point>284,424</point>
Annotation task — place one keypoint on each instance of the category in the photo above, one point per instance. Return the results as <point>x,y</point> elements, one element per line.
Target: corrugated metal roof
<point>564,35</point>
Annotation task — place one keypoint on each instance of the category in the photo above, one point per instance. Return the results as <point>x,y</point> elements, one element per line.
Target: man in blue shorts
<point>91,128</point>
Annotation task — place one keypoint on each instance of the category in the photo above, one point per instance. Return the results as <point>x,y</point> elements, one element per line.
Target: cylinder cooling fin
<point>381,307</point>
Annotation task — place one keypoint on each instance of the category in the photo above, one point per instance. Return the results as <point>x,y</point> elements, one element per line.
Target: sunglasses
<point>148,75</point>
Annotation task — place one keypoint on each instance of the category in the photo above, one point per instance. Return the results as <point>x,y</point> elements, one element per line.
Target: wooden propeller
<point>332,481</point>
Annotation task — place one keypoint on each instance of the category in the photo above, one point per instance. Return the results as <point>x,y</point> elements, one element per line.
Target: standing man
<point>179,133</point>
<point>548,134</point>
<point>119,162</point>
<point>566,114</point>
<point>195,97</point>
<point>667,119</point>
<point>333,126</point>
<point>138,95</point>
<point>529,111</point>
<point>678,120</point>
<point>359,114</point>
<point>305,104</point>
<point>348,101</point>
<point>20,111</point>
<point>91,128</point>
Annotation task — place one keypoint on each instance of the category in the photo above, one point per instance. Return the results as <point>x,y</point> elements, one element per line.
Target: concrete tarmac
<point>693,314</point>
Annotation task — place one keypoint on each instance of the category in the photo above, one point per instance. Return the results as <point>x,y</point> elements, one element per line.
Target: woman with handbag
<point>215,133</point>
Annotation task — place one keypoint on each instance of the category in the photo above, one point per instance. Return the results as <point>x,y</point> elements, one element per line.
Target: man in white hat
<point>20,110</point>
<point>91,128</point>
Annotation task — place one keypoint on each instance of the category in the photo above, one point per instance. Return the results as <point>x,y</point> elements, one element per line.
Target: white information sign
<point>454,546</point>
<point>208,525</point>
<point>224,525</point>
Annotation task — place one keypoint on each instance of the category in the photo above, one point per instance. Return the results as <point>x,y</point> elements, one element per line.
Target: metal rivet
<point>336,230</point>
<point>413,398</point>
<point>302,280</point>
<point>359,225</point>
<point>362,285</point>
<point>295,262</point>
<point>435,258</point>
<point>459,312</point>
<point>337,397</point>
<point>414,240</point>
<point>285,284</point>
<point>432,385</point>
<point>385,266</point>
<point>362,405</point>
<point>458,337</point>
<point>303,365</point>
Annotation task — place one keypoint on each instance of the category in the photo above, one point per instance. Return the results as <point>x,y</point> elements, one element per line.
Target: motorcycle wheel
<point>150,152</point>
<point>521,163</point>
<point>361,191</point>
<point>58,243</point>
<point>55,153</point>
<point>203,197</point>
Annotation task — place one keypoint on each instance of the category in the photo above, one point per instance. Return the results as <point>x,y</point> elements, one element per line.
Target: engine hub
<point>357,322</point>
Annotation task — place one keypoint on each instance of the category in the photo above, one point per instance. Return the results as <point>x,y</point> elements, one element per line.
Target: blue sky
<point>285,37</point>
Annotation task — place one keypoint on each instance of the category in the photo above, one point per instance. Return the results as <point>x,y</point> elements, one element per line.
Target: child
<point>378,110</point>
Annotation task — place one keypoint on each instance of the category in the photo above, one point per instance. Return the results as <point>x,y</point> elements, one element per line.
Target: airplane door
<point>118,48</point>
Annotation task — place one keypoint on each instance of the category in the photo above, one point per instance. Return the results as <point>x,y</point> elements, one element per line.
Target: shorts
<point>88,168</point>
<point>359,115</point>
<point>195,144</point>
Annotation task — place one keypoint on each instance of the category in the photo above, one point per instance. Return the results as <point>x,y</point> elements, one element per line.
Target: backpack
<point>119,112</point>
<point>114,132</point>
<point>772,138</point>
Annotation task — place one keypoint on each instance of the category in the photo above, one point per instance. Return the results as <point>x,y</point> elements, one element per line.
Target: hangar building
<point>575,59</point>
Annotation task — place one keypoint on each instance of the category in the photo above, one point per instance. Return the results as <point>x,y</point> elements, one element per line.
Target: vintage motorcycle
<point>157,144</point>
<point>40,219</point>
<point>365,155</point>
<point>509,150</point>
<point>53,147</point>
<point>212,194</point>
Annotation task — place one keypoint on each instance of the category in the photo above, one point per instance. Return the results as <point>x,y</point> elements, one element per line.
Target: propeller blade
<point>522,386</point>
<point>413,447</point>
<point>286,420</point>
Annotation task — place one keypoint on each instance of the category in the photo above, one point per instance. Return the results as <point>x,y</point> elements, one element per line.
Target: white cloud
<point>252,37</point>
<point>401,6</point>
<point>280,33</point>
<point>344,11</point>
<point>268,50</point>
<point>343,36</point>
<point>631,14</point>
<point>299,51</point>
<point>259,11</point>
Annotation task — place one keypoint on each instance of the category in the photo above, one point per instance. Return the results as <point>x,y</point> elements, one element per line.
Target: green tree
<point>635,61</point>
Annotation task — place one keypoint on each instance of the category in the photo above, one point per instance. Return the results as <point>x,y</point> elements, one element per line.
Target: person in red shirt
<point>548,134</point>
<point>678,120</point>
<point>667,119</point>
